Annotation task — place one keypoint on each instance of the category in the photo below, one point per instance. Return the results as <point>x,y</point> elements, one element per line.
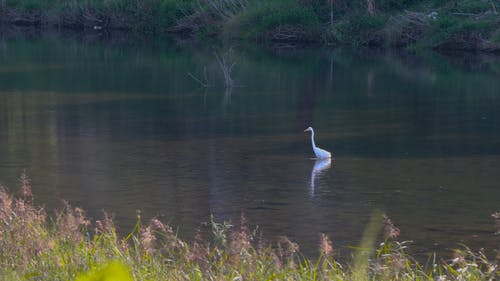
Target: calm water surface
<point>118,126</point>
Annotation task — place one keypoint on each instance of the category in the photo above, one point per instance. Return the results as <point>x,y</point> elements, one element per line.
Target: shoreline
<point>465,25</point>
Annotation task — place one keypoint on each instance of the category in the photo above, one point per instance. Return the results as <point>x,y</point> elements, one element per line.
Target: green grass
<point>496,36</point>
<point>68,246</point>
<point>267,20</point>
<point>361,30</point>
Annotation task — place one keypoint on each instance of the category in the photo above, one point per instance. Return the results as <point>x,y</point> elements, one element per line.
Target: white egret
<point>320,153</point>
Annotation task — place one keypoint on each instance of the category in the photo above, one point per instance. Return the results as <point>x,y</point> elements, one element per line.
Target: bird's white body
<point>320,153</point>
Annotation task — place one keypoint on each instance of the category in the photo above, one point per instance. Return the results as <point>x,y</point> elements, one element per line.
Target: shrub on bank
<point>278,21</point>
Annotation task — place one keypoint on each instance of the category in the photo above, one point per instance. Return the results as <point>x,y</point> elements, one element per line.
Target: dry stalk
<point>405,28</point>
<point>223,8</point>
<point>370,7</point>
<point>493,7</point>
<point>287,33</point>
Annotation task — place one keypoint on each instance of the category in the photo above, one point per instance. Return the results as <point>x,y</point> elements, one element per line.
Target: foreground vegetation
<point>449,24</point>
<point>70,247</point>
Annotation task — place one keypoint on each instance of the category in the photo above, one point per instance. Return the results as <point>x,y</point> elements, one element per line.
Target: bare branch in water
<point>226,67</point>
<point>205,83</point>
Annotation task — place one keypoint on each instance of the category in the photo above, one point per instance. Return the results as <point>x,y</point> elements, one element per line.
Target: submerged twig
<point>202,83</point>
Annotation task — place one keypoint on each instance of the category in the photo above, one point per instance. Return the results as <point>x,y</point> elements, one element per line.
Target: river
<point>120,125</point>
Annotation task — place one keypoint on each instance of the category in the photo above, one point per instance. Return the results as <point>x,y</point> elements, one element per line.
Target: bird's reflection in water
<point>319,169</point>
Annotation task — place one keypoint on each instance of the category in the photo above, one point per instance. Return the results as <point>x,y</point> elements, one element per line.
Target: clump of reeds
<point>70,245</point>
<point>21,223</point>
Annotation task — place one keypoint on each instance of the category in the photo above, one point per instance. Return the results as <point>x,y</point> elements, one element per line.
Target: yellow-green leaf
<point>114,271</point>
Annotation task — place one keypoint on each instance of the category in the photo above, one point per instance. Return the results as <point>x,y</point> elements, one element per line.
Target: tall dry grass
<point>67,245</point>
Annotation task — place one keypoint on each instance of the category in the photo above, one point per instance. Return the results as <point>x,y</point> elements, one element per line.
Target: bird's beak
<point>305,130</point>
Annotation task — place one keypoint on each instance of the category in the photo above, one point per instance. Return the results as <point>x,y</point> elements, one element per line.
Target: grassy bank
<point>68,246</point>
<point>452,24</point>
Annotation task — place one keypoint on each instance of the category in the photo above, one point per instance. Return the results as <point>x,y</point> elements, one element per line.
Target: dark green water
<point>120,126</point>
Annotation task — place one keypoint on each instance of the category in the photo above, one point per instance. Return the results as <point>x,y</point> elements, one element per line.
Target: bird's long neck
<point>312,139</point>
